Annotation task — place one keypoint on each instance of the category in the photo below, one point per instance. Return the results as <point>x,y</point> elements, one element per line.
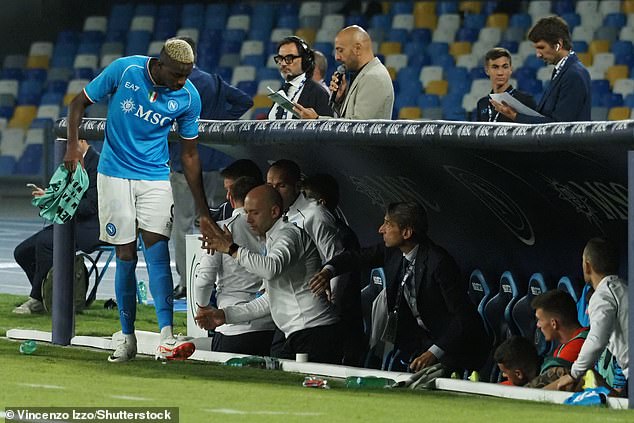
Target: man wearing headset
<point>297,62</point>
<point>568,97</point>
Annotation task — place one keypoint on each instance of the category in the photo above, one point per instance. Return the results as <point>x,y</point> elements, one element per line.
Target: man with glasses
<point>297,62</point>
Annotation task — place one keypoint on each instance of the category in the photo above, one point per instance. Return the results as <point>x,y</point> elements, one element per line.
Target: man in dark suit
<point>568,98</point>
<point>297,62</point>
<point>431,319</point>
<point>35,254</point>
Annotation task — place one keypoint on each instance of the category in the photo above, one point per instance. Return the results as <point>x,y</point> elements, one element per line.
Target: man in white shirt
<point>608,311</point>
<point>297,63</point>
<point>308,321</point>
<point>233,284</point>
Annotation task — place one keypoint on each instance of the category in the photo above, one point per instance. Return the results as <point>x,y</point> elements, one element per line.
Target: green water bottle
<point>257,362</point>
<point>368,382</point>
<point>28,347</point>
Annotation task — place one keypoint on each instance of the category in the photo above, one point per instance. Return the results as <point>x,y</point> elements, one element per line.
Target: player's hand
<point>209,318</point>
<point>504,109</point>
<point>320,282</point>
<point>340,85</point>
<point>72,157</point>
<point>216,240</point>
<point>305,112</point>
<point>209,229</point>
<point>426,359</point>
<point>565,383</point>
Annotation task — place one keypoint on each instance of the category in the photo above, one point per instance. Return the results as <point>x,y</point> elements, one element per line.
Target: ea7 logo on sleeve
<point>131,86</point>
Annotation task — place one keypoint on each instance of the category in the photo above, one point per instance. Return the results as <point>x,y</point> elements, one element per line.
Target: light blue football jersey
<point>140,116</point>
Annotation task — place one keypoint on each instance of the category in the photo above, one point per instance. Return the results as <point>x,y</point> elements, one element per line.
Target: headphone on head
<point>306,53</point>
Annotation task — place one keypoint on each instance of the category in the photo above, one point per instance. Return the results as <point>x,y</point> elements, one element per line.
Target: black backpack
<point>80,280</point>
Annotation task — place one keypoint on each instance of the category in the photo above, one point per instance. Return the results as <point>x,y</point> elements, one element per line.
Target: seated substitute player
<point>147,96</point>
<point>518,361</point>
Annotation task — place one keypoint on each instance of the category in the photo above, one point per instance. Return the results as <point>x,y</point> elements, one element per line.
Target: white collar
<point>411,256</point>
<point>237,211</point>
<point>297,81</point>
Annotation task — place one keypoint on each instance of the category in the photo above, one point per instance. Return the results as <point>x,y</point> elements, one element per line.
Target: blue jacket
<point>568,98</point>
<point>220,101</point>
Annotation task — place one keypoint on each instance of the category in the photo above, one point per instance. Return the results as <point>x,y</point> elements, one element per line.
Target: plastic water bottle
<point>365,382</point>
<point>142,292</point>
<point>268,363</point>
<point>28,347</point>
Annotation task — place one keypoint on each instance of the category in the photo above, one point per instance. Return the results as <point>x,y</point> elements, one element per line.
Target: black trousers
<point>251,343</point>
<point>323,344</point>
<point>35,256</point>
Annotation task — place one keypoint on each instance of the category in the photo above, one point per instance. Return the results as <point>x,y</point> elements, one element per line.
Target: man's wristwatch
<point>233,248</point>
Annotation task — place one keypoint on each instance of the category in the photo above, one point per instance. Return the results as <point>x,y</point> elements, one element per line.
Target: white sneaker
<point>30,306</point>
<point>175,348</point>
<point>125,351</point>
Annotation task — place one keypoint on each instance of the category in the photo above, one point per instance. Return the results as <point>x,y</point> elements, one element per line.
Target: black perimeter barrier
<point>524,198</point>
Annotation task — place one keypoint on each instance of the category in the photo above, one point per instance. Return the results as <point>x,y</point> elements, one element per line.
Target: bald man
<point>369,94</point>
<point>309,322</point>
<point>148,95</point>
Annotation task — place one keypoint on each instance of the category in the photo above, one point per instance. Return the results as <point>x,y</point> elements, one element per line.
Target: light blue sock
<point>157,258</point>
<point>125,289</point>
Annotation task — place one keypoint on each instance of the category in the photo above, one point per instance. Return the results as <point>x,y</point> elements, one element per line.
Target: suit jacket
<point>370,96</point>
<point>315,97</point>
<point>87,214</point>
<point>568,98</point>
<point>451,319</point>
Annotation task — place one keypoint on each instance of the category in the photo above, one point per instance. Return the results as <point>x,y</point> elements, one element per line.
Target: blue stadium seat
<point>145,9</point>
<point>138,42</point>
<point>524,73</point>
<point>225,73</point>
<point>7,164</point>
<point>326,48</point>
<point>629,101</point>
<point>561,7</point>
<point>193,9</point>
<point>120,17</point>
<point>30,92</point>
<point>12,73</point>
<point>478,73</point>
<point>89,48</point>
<point>445,7</point>
<point>428,100</point>
<point>474,21</point>
<point>407,74</point>
<point>115,36</point>
<point>398,34</point>
<point>437,49</point>
<point>609,100</point>
<point>83,73</point>
<point>30,163</point>
<point>165,27</point>
<point>230,47</point>
<point>420,36</point>
<point>44,123</point>
<point>624,59</point>
<point>533,62</point>
<point>580,46</point>
<point>567,285</point>
<point>265,9</point>
<point>402,7</point>
<point>217,10</point>
<point>234,35</point>
<point>356,19</point>
<point>169,11</point>
<point>622,48</point>
<point>192,20</point>
<point>288,21</point>
<point>615,20</point>
<point>67,37</point>
<point>600,87</point>
<point>261,23</point>
<point>239,8</point>
<point>446,61</point>
<point>368,294</point>
<point>511,46</point>
<point>572,19</point>
<point>524,316</point>
<point>495,310</point>
<point>480,293</point>
<point>381,21</point>
<point>451,101</point>
<point>467,34</point>
<point>521,20</point>
<point>256,60</point>
<point>52,98</point>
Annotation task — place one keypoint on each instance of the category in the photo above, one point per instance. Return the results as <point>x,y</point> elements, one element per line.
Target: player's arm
<point>76,111</point>
<point>193,174</point>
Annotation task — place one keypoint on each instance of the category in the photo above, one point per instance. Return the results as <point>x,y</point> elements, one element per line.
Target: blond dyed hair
<point>179,51</point>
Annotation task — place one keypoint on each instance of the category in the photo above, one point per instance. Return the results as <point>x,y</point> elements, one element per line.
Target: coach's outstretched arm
<point>76,110</point>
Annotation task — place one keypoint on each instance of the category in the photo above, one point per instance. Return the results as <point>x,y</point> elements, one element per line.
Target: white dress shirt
<point>291,260</point>
<point>608,311</point>
<point>234,285</point>
<point>294,91</point>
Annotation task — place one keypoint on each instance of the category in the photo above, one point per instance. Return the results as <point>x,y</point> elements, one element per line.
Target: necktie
<point>554,74</point>
<point>404,266</point>
<point>279,114</point>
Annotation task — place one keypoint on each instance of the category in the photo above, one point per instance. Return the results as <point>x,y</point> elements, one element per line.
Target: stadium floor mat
<point>147,342</point>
